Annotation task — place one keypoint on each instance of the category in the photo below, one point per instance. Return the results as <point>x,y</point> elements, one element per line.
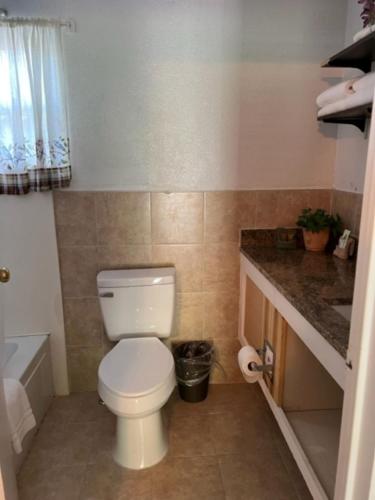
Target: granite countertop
<point>311,282</point>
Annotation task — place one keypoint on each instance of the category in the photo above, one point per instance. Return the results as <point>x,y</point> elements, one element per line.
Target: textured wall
<point>184,95</point>
<point>197,232</point>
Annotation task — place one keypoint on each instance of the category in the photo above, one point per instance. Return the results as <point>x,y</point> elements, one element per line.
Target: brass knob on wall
<point>4,275</point>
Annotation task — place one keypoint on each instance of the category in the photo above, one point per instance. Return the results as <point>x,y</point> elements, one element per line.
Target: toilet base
<point>140,442</point>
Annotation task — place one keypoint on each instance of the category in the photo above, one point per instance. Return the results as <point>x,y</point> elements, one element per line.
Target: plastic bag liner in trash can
<point>193,362</point>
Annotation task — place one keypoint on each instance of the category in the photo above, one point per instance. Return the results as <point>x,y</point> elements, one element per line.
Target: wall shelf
<point>358,55</point>
<point>355,116</point>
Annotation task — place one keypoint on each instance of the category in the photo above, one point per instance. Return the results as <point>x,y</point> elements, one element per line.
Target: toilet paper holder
<point>265,368</point>
<point>254,367</point>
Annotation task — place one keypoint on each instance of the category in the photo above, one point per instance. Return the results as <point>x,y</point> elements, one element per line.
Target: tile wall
<point>349,207</point>
<point>197,232</point>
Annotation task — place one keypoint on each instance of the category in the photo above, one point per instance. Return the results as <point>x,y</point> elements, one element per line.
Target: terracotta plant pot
<point>316,242</point>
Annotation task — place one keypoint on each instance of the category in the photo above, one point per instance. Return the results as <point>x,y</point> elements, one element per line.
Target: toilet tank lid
<point>119,278</point>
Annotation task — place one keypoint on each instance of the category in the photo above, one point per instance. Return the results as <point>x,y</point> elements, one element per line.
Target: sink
<point>344,310</point>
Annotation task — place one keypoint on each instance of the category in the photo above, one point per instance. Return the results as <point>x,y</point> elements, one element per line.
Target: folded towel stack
<point>20,415</point>
<point>347,95</point>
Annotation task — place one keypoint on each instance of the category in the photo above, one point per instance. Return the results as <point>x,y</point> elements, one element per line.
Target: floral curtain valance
<point>34,142</point>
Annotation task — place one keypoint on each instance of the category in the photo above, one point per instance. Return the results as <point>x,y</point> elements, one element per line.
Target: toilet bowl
<point>136,378</point>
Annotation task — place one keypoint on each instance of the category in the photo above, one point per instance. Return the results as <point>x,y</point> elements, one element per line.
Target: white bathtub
<point>27,359</point>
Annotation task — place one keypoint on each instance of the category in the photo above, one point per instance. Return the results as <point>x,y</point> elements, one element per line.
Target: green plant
<point>318,220</point>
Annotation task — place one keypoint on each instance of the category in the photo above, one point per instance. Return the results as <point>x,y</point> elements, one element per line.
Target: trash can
<point>193,362</point>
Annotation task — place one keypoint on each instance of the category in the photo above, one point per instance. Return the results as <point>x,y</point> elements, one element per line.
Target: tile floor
<point>227,447</point>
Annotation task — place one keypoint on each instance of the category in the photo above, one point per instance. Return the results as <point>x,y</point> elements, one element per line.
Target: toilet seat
<point>137,376</point>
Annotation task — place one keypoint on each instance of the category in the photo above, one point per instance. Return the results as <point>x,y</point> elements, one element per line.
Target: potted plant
<point>316,227</point>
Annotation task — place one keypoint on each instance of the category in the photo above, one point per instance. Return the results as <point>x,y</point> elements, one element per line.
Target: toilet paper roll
<point>248,355</point>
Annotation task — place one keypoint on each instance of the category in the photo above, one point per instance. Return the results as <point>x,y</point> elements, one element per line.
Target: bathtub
<point>27,359</point>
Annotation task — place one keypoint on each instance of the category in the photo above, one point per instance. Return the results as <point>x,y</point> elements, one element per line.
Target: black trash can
<point>193,362</point>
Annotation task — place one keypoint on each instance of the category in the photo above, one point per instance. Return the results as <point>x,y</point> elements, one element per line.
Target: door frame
<point>356,472</point>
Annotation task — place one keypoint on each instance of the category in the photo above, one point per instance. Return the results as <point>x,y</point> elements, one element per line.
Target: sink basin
<point>344,310</point>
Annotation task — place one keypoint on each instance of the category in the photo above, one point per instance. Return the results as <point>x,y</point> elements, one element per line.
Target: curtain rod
<point>69,24</point>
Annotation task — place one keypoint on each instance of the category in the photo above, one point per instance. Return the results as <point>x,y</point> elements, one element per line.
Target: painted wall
<point>352,144</point>
<point>32,298</point>
<point>185,95</point>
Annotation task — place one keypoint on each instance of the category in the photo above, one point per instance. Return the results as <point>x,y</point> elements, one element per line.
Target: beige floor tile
<point>50,483</point>
<point>229,440</point>
<point>187,479</point>
<point>78,407</point>
<point>258,476</point>
<point>109,481</point>
<point>190,436</point>
<point>64,445</point>
<point>242,430</point>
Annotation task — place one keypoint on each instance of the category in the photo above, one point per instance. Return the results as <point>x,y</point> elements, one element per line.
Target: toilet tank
<point>137,302</point>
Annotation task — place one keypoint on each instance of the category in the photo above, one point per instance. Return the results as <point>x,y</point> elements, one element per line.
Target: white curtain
<point>34,141</point>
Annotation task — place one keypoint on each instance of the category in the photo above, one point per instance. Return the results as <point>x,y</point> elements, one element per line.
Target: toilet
<point>136,378</point>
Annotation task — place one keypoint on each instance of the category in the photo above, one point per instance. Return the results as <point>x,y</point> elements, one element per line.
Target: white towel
<point>359,98</point>
<point>20,415</point>
<point>364,82</point>
<point>335,93</point>
<point>364,32</point>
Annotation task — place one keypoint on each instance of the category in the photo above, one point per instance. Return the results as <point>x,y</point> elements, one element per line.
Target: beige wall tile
<point>83,322</point>
<point>189,316</point>
<point>188,260</point>
<point>345,204</point>
<point>118,257</point>
<point>226,354</point>
<point>221,217</point>
<point>78,271</point>
<point>221,314</point>
<point>75,218</point>
<point>320,198</point>
<point>177,217</point>
<point>221,266</point>
<point>84,234</point>
<point>83,364</point>
<point>123,218</point>
<point>74,208</point>
<point>266,209</point>
<point>247,201</point>
<point>290,204</point>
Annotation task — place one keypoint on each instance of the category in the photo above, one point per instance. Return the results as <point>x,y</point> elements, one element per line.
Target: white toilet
<point>136,378</point>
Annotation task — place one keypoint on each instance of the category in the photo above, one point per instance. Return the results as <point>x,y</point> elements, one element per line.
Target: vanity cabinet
<point>264,325</point>
<point>306,400</point>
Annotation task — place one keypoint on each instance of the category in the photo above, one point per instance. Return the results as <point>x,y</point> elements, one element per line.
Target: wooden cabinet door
<point>264,323</point>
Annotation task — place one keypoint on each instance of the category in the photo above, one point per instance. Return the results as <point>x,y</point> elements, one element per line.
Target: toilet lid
<point>136,367</point>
